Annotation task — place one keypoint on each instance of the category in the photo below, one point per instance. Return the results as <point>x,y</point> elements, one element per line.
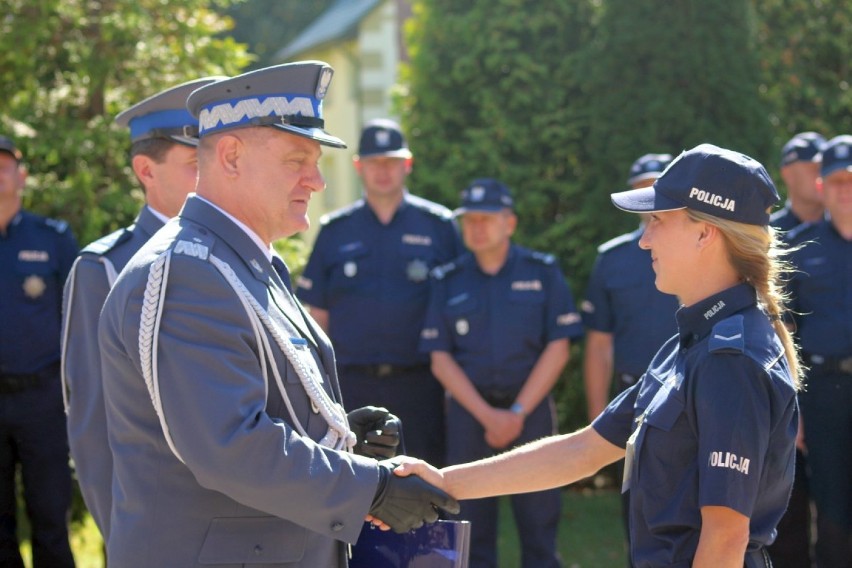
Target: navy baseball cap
<point>803,147</point>
<point>287,97</point>
<point>164,115</point>
<point>382,137</point>
<point>6,145</point>
<point>713,180</point>
<point>485,195</point>
<point>836,155</point>
<point>649,166</point>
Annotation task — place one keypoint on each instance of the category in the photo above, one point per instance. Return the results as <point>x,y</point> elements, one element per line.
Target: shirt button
<point>258,550</point>
<point>336,526</point>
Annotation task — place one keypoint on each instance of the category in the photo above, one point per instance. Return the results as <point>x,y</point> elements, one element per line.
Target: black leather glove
<point>377,431</point>
<point>405,503</point>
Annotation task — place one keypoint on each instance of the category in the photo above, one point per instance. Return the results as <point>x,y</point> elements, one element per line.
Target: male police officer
<point>36,255</point>
<point>498,329</point>
<point>228,438</point>
<point>163,137</point>
<point>800,170</point>
<point>800,165</point>
<point>366,284</point>
<point>821,298</point>
<point>626,318</point>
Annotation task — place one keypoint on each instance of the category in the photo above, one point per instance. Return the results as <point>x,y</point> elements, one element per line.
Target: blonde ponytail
<point>756,253</point>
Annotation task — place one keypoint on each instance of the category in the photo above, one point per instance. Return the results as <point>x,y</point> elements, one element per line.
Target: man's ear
<point>142,167</point>
<point>409,164</point>
<point>820,186</point>
<point>229,149</point>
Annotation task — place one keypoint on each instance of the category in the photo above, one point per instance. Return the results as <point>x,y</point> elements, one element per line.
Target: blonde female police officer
<point>709,430</point>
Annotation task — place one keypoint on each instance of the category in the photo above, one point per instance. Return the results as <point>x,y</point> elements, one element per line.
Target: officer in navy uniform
<point>708,432</point>
<point>821,304</point>
<point>499,326</point>
<point>163,140</point>
<point>800,170</point>
<point>366,285</point>
<point>626,318</point>
<point>800,163</point>
<point>230,445</point>
<point>36,254</point>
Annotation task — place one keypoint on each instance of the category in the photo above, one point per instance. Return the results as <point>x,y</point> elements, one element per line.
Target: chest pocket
<point>655,440</point>
<point>464,319</point>
<point>252,540</point>
<point>350,267</point>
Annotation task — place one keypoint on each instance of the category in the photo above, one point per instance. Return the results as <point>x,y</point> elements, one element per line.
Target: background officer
<point>821,301</point>
<point>366,285</point>
<point>800,170</point>
<point>626,318</point>
<point>800,163</point>
<point>163,140</point>
<point>229,442</point>
<point>498,329</point>
<point>36,254</point>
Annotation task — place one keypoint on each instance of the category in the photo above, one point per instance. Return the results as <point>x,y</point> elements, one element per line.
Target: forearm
<point>723,539</point>
<point>544,374</point>
<point>543,464</point>
<point>597,371</point>
<point>453,378</point>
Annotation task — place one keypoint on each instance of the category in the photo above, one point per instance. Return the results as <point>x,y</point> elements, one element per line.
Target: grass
<point>590,534</point>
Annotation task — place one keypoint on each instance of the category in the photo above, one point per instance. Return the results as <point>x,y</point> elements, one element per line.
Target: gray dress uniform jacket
<point>210,468</point>
<point>86,288</point>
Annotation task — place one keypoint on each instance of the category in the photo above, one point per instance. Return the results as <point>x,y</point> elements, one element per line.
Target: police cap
<point>382,137</point>
<point>164,115</point>
<point>713,180</point>
<point>803,147</point>
<point>288,97</point>
<point>485,195</point>
<point>649,166</point>
<point>836,155</point>
<point>6,145</point>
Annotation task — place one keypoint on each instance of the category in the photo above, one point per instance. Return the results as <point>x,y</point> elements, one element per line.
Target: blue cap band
<point>142,126</point>
<point>241,111</point>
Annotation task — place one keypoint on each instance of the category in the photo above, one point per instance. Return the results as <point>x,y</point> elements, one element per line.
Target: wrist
<point>518,408</point>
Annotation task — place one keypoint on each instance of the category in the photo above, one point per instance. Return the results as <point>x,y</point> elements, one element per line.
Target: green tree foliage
<point>67,67</point>
<point>806,59</point>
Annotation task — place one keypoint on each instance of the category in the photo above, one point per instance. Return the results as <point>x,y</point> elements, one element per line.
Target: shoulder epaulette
<point>341,213</point>
<point>728,335</point>
<point>541,257</point>
<point>430,207</point>
<point>442,271</point>
<point>617,242</point>
<point>57,225</point>
<point>194,243</point>
<point>799,231</point>
<point>109,242</point>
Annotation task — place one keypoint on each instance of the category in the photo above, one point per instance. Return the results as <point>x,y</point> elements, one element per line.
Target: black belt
<point>384,370</point>
<point>829,364</point>
<point>498,397</point>
<point>18,382</point>
<point>759,558</point>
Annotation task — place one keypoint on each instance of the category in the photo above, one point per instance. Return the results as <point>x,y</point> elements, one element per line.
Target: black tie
<point>283,273</point>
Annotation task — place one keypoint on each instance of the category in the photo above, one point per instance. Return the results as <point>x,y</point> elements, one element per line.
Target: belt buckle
<point>845,365</point>
<point>384,370</point>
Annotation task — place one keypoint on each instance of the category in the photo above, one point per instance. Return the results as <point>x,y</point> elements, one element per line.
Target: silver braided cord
<point>149,326</point>
<point>338,436</point>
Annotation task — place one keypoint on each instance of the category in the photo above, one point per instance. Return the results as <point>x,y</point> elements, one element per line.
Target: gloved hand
<point>377,431</point>
<point>405,503</point>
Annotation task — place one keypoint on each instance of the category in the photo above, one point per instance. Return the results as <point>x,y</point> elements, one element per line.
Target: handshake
<point>400,503</point>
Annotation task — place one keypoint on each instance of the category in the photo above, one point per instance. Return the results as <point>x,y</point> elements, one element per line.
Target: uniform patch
<point>350,269</point>
<point>33,255</point>
<point>304,283</point>
<point>34,286</point>
<point>419,240</point>
<point>715,309</point>
<point>727,460</point>
<point>429,333</point>
<point>567,319</point>
<point>417,270</point>
<point>527,285</point>
<point>587,307</point>
<point>462,327</point>
<point>189,248</point>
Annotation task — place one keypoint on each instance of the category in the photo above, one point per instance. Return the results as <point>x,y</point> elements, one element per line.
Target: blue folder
<point>444,544</point>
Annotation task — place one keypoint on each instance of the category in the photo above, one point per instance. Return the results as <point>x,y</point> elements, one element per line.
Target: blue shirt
<point>496,326</point>
<point>622,299</point>
<point>784,219</point>
<point>821,289</point>
<point>36,254</point>
<point>372,278</point>
<point>713,423</point>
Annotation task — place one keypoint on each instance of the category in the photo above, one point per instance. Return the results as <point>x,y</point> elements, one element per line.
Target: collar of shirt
<point>162,217</point>
<point>403,205</point>
<point>266,249</point>
<point>696,321</point>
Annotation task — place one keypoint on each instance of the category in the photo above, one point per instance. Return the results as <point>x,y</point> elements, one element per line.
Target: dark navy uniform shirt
<point>372,278</point>
<point>36,254</point>
<point>712,422</point>
<point>623,300</point>
<point>784,219</point>
<point>496,326</point>
<point>821,290</point>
